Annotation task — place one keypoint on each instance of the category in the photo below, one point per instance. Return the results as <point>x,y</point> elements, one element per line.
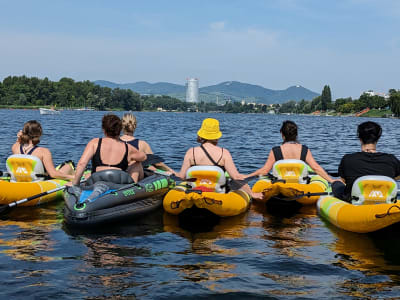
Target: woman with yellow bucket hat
<point>209,189</point>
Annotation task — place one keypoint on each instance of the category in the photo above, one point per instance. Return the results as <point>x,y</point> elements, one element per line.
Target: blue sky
<point>352,45</point>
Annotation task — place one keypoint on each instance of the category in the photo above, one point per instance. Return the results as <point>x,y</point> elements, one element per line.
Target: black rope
<point>387,213</point>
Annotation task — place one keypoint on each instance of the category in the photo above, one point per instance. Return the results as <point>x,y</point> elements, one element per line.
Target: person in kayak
<point>110,152</point>
<point>210,154</point>
<point>27,143</point>
<point>129,124</point>
<point>291,149</point>
<point>367,162</point>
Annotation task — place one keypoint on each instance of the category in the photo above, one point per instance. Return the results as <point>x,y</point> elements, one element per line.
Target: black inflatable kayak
<point>111,195</point>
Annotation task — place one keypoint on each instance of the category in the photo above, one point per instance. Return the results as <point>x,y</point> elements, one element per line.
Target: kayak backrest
<point>291,170</point>
<point>25,168</point>
<point>374,189</point>
<point>111,175</point>
<point>208,178</point>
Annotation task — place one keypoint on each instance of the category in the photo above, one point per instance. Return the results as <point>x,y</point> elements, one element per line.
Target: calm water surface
<point>254,255</point>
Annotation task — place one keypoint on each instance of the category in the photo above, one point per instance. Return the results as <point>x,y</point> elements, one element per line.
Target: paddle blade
<point>4,209</point>
<point>152,159</point>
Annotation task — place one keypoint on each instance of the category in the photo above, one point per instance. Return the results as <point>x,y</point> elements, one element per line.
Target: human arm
<point>145,147</point>
<point>84,160</point>
<point>16,145</point>
<point>317,168</point>
<point>264,170</point>
<point>47,160</point>
<point>185,164</point>
<point>135,155</point>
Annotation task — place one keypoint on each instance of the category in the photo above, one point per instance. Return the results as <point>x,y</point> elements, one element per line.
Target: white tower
<point>192,90</point>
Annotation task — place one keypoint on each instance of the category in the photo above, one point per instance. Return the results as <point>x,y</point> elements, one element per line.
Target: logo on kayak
<point>129,192</point>
<point>149,188</point>
<point>206,181</point>
<point>375,194</point>
<point>21,170</point>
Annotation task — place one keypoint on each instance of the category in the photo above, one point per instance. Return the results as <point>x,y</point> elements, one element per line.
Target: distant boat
<point>48,111</point>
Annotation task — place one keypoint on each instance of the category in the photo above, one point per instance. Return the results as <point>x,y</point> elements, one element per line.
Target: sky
<point>350,45</point>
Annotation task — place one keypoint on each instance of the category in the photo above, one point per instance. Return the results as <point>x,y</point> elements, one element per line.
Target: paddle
<point>152,159</point>
<point>237,184</point>
<point>8,175</point>
<point>7,207</point>
<point>172,176</point>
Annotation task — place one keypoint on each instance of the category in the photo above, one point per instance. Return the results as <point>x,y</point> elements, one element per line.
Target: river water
<point>254,255</point>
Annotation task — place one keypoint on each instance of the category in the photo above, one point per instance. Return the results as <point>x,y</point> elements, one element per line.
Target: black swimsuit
<point>134,143</point>
<point>97,162</point>
<point>21,150</point>
<point>210,158</point>
<point>279,156</point>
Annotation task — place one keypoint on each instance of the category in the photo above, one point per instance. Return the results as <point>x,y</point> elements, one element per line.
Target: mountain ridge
<point>233,90</point>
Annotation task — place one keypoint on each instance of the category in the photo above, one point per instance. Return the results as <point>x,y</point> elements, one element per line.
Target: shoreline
<point>373,113</point>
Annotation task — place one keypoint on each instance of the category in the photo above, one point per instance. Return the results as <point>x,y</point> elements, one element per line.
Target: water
<point>254,255</point>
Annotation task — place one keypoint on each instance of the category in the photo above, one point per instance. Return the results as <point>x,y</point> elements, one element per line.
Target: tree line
<point>344,105</point>
<point>67,93</point>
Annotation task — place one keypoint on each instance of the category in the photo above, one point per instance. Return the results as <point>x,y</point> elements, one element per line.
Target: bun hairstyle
<point>111,125</point>
<point>369,132</point>
<point>32,131</point>
<point>129,123</point>
<point>289,131</point>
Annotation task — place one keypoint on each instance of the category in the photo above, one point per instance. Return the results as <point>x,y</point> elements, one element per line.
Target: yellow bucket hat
<point>210,129</point>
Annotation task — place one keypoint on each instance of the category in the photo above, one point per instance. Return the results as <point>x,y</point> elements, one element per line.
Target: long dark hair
<point>289,131</point>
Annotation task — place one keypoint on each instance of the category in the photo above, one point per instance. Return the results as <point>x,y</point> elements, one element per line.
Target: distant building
<point>192,90</point>
<point>372,93</point>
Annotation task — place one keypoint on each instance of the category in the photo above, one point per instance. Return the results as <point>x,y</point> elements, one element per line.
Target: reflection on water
<point>261,253</point>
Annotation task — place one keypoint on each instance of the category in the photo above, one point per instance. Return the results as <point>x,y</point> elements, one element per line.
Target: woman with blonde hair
<point>27,143</point>
<point>129,124</point>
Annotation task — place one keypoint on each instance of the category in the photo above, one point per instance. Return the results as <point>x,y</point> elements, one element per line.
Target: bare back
<point>291,151</point>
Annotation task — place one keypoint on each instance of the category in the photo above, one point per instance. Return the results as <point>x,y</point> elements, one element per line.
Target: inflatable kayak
<point>26,178</point>
<point>111,195</point>
<point>207,192</point>
<point>374,206</point>
<point>14,191</point>
<point>290,180</point>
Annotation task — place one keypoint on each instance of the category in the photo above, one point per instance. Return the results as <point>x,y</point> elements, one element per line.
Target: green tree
<point>326,98</point>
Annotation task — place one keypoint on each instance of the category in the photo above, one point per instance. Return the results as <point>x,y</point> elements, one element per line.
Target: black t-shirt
<point>355,165</point>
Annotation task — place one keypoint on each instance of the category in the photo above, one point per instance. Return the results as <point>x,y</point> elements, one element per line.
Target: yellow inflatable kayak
<point>26,174</point>
<point>14,191</point>
<point>358,218</point>
<point>290,179</point>
<point>374,206</point>
<point>208,192</point>
<point>223,205</point>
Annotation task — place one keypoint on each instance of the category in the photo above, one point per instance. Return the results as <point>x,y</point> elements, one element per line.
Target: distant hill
<point>233,90</point>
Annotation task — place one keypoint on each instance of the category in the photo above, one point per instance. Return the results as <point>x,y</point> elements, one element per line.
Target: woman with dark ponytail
<point>27,144</point>
<point>291,149</point>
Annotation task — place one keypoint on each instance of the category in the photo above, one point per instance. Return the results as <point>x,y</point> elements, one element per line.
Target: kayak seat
<point>112,176</point>
<point>208,178</point>
<point>25,168</point>
<point>374,189</point>
<point>291,171</point>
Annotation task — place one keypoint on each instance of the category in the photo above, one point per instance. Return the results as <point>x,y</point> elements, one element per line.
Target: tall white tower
<point>192,90</point>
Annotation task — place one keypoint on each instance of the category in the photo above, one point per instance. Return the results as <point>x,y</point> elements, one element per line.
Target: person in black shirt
<point>366,162</point>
